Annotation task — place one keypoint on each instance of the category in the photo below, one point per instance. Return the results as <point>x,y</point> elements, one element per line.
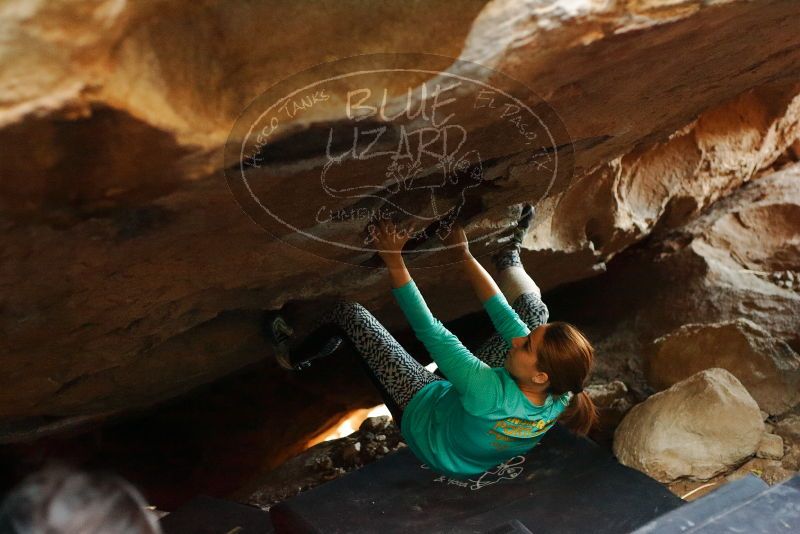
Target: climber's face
<point>521,360</point>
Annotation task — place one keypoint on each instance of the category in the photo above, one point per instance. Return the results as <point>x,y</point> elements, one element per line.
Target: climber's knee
<point>531,309</point>
<point>351,309</point>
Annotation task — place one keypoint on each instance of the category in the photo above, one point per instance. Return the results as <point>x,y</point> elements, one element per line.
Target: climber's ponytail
<point>581,414</point>
<point>567,358</point>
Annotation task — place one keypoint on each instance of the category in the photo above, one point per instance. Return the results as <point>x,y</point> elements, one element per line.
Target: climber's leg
<point>518,288</point>
<point>396,374</point>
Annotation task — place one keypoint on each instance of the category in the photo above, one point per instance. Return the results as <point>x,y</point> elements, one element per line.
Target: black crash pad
<point>776,509</point>
<point>565,484</point>
<point>207,515</point>
<point>715,503</point>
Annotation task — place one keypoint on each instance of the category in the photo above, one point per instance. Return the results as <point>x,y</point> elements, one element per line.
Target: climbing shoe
<point>280,334</point>
<point>322,342</point>
<point>518,234</point>
<point>329,347</point>
<point>510,244</point>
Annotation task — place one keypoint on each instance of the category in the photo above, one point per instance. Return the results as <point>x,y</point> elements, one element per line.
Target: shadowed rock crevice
<point>68,169</point>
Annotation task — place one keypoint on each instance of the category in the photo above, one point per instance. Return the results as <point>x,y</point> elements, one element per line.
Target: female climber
<point>491,405</point>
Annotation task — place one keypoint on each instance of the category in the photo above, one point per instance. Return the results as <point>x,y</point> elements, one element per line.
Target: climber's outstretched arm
<point>479,387</point>
<point>390,242</point>
<point>504,318</point>
<point>482,282</point>
<point>398,274</point>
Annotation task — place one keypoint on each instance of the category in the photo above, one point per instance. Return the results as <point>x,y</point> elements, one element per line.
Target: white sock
<point>514,281</point>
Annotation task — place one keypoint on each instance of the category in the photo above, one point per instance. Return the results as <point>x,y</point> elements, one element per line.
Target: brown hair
<point>567,358</point>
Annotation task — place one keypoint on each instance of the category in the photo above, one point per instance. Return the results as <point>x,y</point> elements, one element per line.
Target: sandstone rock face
<point>662,185</point>
<point>698,428</point>
<point>130,275</point>
<point>789,428</point>
<point>734,247</point>
<point>767,367</point>
<point>715,269</point>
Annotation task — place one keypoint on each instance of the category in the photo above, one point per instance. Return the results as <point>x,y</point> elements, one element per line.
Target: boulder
<point>791,459</point>
<point>613,400</point>
<point>788,428</point>
<point>771,447</point>
<point>123,243</point>
<point>767,367</point>
<point>698,428</point>
<point>610,395</point>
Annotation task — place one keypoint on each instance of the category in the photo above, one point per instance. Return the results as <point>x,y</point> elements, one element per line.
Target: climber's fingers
<point>391,236</point>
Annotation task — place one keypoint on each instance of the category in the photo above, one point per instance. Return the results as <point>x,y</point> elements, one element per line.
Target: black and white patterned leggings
<point>396,374</point>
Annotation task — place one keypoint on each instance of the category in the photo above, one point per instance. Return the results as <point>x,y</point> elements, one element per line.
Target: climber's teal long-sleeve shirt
<point>478,417</point>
